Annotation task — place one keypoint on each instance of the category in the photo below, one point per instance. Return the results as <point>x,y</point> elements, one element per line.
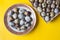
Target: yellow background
<point>42,30</point>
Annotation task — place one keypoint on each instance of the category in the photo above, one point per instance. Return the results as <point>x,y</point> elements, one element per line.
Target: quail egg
<point>10,23</point>
<point>10,18</point>
<point>14,15</point>
<point>43,14</point>
<point>21,10</point>
<point>21,16</point>
<point>22,22</point>
<point>56,10</point>
<point>27,18</point>
<point>40,1</point>
<point>28,24</point>
<point>47,10</point>
<point>52,14</point>
<point>39,9</point>
<point>16,21</point>
<point>47,18</point>
<point>52,5</point>
<point>9,13</point>
<point>22,27</point>
<point>35,4</point>
<point>15,9</point>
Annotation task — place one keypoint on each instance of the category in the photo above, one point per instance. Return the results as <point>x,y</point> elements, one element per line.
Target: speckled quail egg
<point>47,10</point>
<point>10,18</point>
<point>40,1</point>
<point>28,24</point>
<point>14,15</point>
<point>10,23</point>
<point>43,14</point>
<point>22,22</point>
<point>21,10</point>
<point>9,13</point>
<point>16,21</point>
<point>22,27</point>
<point>27,18</point>
<point>47,18</point>
<point>15,9</point>
<point>21,16</point>
<point>56,10</point>
<point>35,4</point>
<point>39,9</point>
<point>52,5</point>
<point>25,13</point>
<point>52,14</point>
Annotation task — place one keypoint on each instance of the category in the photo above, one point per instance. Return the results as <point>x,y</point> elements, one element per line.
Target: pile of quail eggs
<point>48,9</point>
<point>20,19</point>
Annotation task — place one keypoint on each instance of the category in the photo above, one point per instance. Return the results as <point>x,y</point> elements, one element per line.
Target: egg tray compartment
<point>48,9</point>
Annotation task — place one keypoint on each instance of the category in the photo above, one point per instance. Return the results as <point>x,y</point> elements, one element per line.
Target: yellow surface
<point>42,30</point>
